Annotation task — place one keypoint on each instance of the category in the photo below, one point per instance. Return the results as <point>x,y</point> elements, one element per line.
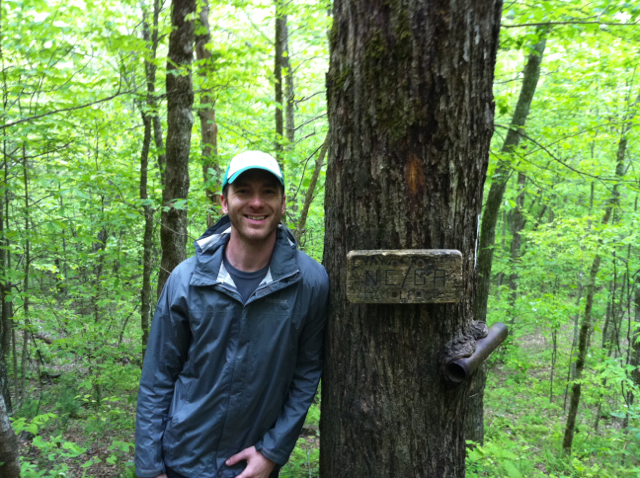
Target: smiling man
<point>235,350</point>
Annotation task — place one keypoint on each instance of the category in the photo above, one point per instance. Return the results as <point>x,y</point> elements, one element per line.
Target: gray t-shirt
<point>246,282</point>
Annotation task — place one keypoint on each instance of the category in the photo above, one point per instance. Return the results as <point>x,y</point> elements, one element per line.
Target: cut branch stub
<point>419,276</point>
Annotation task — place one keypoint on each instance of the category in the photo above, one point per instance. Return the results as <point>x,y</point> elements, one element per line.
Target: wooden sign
<point>418,276</point>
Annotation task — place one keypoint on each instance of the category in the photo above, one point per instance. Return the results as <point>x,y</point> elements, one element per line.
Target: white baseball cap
<point>251,160</point>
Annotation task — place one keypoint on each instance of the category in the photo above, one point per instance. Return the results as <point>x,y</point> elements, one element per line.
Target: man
<point>235,350</point>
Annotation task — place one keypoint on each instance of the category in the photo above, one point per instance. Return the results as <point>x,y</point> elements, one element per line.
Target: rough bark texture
<point>312,186</point>
<point>207,113</point>
<point>586,326</point>
<point>173,234</point>
<point>9,458</point>
<point>410,121</point>
<point>490,212</point>
<point>145,293</point>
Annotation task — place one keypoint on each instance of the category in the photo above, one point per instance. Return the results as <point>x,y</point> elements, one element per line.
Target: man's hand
<point>258,466</point>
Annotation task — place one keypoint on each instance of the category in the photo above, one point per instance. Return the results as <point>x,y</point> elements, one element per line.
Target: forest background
<point>82,180</point>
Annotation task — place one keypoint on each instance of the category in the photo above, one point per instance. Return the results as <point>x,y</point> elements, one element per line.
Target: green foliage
<point>82,226</point>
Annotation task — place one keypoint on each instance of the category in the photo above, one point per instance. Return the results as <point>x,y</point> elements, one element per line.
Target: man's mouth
<point>257,218</point>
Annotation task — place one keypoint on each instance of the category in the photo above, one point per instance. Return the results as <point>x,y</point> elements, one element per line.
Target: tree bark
<point>145,292</point>
<point>635,344</point>
<point>281,62</point>
<point>9,457</point>
<point>290,96</point>
<point>150,36</point>
<point>6,321</point>
<point>173,234</point>
<point>207,114</point>
<point>586,326</point>
<point>25,283</point>
<point>410,106</point>
<point>475,430</point>
<point>517,224</point>
<point>312,186</point>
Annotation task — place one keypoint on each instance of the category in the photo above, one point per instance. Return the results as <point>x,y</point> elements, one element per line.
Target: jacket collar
<point>209,268</point>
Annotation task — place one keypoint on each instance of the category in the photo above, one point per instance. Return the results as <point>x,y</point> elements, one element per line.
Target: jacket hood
<point>210,245</point>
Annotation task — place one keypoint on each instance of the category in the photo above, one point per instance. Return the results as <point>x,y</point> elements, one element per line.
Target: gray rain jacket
<point>219,375</point>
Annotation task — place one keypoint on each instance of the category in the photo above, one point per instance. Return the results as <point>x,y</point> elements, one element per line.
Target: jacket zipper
<point>233,292</point>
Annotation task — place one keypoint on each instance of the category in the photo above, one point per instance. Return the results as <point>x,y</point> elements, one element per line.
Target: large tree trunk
<point>173,234</point>
<point>410,102</point>
<point>207,114</point>
<point>475,428</point>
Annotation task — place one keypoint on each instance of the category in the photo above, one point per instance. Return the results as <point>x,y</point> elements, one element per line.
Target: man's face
<point>255,204</point>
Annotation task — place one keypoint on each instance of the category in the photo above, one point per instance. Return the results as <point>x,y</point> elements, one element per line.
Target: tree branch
<point>62,110</point>
<point>572,22</point>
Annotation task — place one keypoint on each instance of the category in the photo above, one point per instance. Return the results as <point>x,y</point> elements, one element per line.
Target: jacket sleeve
<point>278,443</point>
<point>165,355</point>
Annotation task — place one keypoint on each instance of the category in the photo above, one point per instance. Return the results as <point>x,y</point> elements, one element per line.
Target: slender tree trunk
<point>14,346</point>
<point>290,96</point>
<point>5,288</point>
<point>475,430</point>
<point>402,174</point>
<point>151,38</point>
<point>7,323</point>
<point>517,224</point>
<point>633,351</point>
<point>281,62</point>
<point>585,328</point>
<point>635,343</point>
<point>25,284</point>
<point>501,175</point>
<point>207,114</point>
<point>312,186</point>
<point>173,234</point>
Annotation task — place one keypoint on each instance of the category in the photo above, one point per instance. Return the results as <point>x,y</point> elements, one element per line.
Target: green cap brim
<point>238,173</point>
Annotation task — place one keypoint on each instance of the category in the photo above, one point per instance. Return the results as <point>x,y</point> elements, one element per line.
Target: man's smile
<point>256,218</point>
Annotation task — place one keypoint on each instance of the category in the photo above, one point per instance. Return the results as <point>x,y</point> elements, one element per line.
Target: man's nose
<point>256,200</point>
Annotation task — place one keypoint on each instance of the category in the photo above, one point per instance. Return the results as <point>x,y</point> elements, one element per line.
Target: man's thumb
<point>238,457</point>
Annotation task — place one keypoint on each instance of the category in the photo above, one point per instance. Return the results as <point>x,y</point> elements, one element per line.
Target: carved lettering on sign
<point>404,276</point>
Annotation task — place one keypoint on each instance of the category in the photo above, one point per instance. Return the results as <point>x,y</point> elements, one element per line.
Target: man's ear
<point>225,206</point>
<point>284,203</point>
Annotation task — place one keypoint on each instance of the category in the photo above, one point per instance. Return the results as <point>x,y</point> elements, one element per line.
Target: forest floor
<point>64,434</point>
